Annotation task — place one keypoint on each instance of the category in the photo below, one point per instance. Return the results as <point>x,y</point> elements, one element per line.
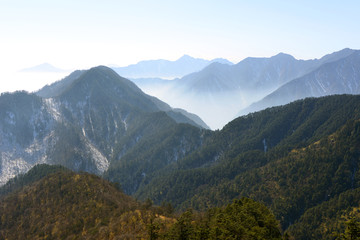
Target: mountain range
<point>220,92</point>
<point>301,159</point>
<point>339,76</point>
<point>166,69</point>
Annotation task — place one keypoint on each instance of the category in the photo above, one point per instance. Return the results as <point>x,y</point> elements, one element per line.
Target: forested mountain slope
<point>83,122</point>
<point>62,204</point>
<point>292,158</point>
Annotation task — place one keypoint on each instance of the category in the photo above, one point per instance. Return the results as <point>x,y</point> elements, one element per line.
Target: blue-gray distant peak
<point>336,73</point>
<point>222,60</point>
<point>185,57</point>
<point>44,67</point>
<point>283,56</point>
<point>166,69</point>
<point>337,55</point>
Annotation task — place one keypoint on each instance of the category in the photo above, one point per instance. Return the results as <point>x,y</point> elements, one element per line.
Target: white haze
<point>29,81</point>
<point>215,109</point>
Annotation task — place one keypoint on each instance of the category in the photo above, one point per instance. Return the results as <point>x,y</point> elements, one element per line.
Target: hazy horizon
<point>83,34</point>
<point>29,80</point>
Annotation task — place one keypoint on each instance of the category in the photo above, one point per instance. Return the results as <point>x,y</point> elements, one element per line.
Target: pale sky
<point>80,34</point>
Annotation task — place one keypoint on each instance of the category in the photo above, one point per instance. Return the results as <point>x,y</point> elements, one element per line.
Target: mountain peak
<point>44,67</point>
<point>222,60</point>
<point>185,57</point>
<point>102,68</point>
<point>282,55</point>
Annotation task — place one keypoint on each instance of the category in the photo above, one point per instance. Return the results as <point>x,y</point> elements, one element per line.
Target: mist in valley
<point>216,109</point>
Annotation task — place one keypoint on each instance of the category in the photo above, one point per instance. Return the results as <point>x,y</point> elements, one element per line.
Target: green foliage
<point>61,205</point>
<point>68,205</point>
<point>328,219</point>
<point>242,219</point>
<point>352,231</point>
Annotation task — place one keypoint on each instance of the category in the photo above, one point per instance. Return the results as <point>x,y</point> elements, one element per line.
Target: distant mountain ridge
<point>166,69</point>
<point>341,76</point>
<point>220,91</point>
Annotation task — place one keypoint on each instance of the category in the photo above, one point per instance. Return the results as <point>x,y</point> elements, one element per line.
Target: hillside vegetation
<point>68,205</point>
<point>291,158</point>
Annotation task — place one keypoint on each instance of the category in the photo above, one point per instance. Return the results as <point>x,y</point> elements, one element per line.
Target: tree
<point>352,231</point>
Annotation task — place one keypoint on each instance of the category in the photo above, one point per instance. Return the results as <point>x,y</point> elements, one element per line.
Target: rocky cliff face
<point>33,130</point>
